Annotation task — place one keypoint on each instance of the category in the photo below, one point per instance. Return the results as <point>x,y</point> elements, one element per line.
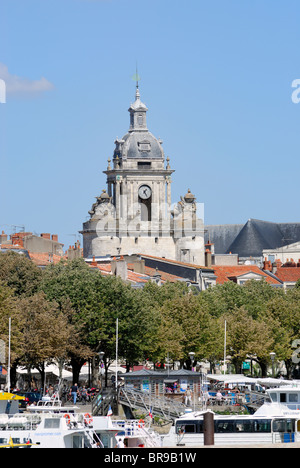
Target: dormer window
<point>144,146</point>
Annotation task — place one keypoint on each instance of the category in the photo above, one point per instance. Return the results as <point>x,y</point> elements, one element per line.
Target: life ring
<point>67,418</point>
<point>88,418</point>
<point>141,423</point>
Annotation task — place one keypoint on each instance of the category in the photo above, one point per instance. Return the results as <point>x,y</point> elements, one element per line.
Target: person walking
<point>84,395</point>
<point>74,392</point>
<point>188,396</point>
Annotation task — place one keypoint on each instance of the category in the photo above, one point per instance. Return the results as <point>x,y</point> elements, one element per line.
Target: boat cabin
<point>288,396</point>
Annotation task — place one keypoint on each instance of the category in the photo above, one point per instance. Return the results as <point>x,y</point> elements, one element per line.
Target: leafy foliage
<point>68,312</point>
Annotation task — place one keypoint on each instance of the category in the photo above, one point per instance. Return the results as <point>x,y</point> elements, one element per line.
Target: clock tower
<point>134,214</point>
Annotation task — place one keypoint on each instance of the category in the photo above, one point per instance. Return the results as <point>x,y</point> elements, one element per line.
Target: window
<point>282,397</point>
<point>293,397</point>
<point>144,146</point>
<point>262,425</point>
<point>77,441</point>
<point>52,423</point>
<point>144,165</point>
<point>273,397</point>
<point>225,426</point>
<point>244,426</point>
<point>283,425</point>
<point>190,427</point>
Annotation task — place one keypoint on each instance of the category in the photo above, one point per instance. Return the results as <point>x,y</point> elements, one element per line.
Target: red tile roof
<point>105,269</point>
<point>288,275</point>
<point>227,273</point>
<point>44,259</point>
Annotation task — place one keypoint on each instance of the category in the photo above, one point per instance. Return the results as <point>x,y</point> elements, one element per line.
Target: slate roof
<point>165,373</point>
<point>251,239</point>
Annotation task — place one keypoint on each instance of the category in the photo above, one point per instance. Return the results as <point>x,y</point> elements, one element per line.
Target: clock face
<point>145,192</point>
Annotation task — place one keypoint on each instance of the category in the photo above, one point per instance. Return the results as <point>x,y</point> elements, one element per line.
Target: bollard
<point>209,428</point>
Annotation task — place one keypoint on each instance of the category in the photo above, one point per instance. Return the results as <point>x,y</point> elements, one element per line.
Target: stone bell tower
<point>134,214</point>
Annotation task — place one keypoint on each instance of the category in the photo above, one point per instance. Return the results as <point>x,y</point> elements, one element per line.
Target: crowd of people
<point>74,393</point>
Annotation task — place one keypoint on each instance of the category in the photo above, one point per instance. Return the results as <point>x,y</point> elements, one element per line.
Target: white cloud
<point>23,86</point>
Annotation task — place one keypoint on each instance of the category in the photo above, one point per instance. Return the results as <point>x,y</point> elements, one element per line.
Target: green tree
<point>47,335</point>
<point>247,336</point>
<point>9,310</point>
<point>19,273</point>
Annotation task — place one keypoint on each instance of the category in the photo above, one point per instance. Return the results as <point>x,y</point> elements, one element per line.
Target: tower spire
<point>137,78</point>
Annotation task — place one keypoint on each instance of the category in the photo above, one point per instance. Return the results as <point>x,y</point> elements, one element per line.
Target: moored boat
<point>276,421</point>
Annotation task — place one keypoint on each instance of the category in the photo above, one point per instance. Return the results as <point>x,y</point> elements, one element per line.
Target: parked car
<point>30,397</point>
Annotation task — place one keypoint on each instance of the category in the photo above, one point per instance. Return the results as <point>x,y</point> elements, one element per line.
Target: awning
<point>10,396</point>
<point>52,369</point>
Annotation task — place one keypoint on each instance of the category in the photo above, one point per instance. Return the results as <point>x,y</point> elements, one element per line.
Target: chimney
<point>268,265</point>
<point>3,238</point>
<point>55,237</point>
<point>17,239</point>
<point>94,263</point>
<point>210,246</point>
<point>277,264</point>
<point>208,261</point>
<point>46,236</point>
<point>119,268</point>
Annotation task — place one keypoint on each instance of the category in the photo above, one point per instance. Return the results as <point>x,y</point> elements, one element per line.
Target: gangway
<point>159,406</point>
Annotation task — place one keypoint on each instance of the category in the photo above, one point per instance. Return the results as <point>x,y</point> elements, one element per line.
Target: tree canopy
<point>67,313</point>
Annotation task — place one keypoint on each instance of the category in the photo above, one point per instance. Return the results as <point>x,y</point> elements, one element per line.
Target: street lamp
<point>272,356</point>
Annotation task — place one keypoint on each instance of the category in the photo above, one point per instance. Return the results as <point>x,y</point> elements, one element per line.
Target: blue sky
<point>217,79</point>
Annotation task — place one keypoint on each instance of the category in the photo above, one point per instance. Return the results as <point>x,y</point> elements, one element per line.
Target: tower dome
<point>138,143</point>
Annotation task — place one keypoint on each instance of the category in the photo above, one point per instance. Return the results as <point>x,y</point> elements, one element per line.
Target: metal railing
<point>160,406</point>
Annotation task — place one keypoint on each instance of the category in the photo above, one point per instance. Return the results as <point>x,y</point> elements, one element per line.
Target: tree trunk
<point>76,364</point>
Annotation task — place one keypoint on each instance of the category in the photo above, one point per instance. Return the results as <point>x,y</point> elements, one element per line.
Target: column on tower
<point>155,209</point>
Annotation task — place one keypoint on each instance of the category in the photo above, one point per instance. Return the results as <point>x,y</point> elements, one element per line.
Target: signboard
<point>145,386</point>
<point>246,366</point>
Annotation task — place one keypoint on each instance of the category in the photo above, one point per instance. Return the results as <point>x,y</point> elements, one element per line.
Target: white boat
<point>47,430</point>
<point>51,425</point>
<point>277,421</point>
<point>133,433</point>
<point>51,405</point>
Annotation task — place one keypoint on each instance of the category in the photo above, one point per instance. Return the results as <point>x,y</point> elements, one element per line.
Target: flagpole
<point>117,345</point>
<point>9,346</point>
<point>225,347</point>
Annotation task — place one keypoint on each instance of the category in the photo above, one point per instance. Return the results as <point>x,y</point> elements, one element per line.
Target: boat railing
<point>134,428</point>
<point>19,422</point>
<point>31,421</point>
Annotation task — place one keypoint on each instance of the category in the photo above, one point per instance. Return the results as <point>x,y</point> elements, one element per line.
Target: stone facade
<point>135,214</point>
